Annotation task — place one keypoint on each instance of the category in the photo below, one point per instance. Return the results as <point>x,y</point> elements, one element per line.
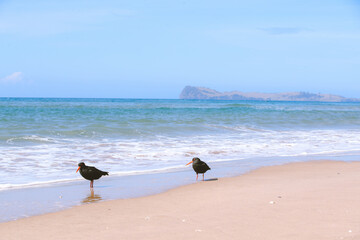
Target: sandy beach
<point>307,200</point>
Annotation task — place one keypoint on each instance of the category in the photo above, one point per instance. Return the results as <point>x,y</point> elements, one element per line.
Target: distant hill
<point>190,92</point>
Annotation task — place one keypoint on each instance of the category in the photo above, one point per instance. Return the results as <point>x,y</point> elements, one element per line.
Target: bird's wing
<point>94,169</point>
<point>203,164</point>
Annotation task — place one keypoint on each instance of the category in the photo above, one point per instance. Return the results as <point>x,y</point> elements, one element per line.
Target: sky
<point>153,49</point>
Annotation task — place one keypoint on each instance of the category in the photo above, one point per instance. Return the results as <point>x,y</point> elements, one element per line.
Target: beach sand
<point>308,200</point>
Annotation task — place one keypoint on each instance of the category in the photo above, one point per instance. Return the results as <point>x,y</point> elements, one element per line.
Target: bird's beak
<point>189,163</point>
<point>77,169</point>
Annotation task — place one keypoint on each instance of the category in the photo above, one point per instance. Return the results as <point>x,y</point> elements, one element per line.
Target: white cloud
<point>12,78</point>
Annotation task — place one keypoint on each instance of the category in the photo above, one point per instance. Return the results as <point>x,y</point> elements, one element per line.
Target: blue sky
<point>152,49</point>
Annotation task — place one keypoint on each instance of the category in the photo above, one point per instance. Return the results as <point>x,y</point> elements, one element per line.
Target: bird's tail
<point>105,173</point>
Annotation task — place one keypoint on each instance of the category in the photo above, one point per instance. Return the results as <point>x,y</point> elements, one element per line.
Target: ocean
<point>43,139</point>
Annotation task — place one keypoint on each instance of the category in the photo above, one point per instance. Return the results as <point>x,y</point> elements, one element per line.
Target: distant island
<point>190,92</point>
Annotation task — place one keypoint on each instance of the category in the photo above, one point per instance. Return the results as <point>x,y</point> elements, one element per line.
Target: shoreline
<point>19,203</point>
<point>32,201</point>
<point>298,200</point>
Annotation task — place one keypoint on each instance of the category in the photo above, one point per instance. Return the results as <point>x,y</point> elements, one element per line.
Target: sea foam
<point>42,140</point>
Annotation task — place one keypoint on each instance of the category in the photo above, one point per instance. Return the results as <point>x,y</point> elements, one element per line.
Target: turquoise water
<point>43,139</point>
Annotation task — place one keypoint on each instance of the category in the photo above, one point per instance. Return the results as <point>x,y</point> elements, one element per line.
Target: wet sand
<point>32,201</point>
<point>25,202</point>
<point>309,200</point>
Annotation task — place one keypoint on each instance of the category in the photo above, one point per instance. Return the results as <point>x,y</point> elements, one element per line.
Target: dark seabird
<point>90,173</point>
<point>199,166</point>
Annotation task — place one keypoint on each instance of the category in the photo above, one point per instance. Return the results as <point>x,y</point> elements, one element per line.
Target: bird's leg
<point>197,176</point>
<point>203,177</point>
<point>92,184</point>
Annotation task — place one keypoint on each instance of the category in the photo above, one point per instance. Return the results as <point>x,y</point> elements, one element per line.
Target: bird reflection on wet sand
<point>92,197</point>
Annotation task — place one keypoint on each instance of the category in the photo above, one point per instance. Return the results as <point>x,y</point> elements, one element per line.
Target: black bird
<point>90,173</point>
<point>199,166</point>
